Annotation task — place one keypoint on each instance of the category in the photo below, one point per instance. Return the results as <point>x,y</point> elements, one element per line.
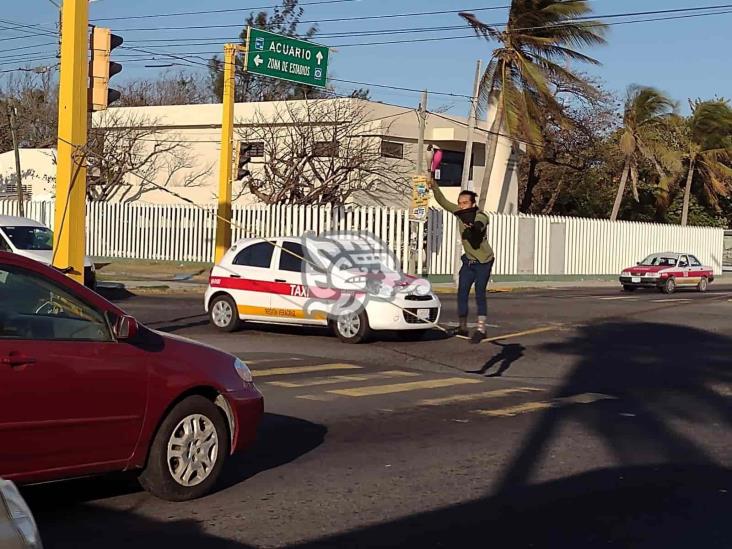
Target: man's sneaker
<point>478,336</point>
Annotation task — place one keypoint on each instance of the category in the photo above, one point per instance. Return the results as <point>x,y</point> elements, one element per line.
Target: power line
<point>181,57</point>
<point>626,14</point>
<point>207,12</point>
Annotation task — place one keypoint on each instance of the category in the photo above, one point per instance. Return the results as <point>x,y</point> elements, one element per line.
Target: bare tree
<point>35,96</point>
<point>322,152</point>
<point>127,154</point>
<point>171,88</point>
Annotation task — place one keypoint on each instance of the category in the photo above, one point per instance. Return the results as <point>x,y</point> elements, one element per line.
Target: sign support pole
<point>223,219</point>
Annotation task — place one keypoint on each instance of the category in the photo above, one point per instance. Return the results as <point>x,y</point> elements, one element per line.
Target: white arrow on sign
<point>319,57</point>
<point>258,60</point>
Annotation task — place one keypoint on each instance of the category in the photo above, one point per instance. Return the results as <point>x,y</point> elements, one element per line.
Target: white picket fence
<point>524,245</point>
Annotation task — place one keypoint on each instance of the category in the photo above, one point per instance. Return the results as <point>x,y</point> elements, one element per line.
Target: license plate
<point>423,314</point>
<point>635,280</point>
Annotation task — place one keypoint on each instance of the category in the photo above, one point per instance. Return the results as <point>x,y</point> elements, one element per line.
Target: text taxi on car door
<point>276,281</point>
<point>667,271</point>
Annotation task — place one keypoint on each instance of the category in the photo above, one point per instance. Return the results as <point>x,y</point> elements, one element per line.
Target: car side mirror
<point>638,263</point>
<point>125,328</point>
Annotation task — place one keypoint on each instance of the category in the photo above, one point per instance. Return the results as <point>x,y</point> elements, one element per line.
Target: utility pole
<point>467,162</point>
<point>472,119</point>
<point>415,259</point>
<point>422,126</point>
<point>18,175</point>
<point>223,219</point>
<point>69,237</point>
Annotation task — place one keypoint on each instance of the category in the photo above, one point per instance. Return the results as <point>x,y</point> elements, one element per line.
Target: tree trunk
<point>687,192</point>
<point>491,146</point>
<point>531,183</point>
<point>621,191</point>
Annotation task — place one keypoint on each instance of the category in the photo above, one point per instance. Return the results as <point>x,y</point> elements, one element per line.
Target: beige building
<point>176,150</point>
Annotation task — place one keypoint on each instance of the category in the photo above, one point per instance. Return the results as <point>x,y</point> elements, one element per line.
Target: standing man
<point>477,261</point>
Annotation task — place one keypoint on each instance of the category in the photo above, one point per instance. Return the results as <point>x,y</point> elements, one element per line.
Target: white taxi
<point>262,281</point>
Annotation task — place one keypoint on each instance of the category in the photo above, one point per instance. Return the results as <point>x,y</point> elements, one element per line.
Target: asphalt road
<point>595,418</point>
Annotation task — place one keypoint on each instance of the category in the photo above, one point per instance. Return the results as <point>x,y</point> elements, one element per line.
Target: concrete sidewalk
<point>196,287</point>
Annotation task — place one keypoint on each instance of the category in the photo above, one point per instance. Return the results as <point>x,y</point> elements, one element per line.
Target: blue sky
<point>686,57</point>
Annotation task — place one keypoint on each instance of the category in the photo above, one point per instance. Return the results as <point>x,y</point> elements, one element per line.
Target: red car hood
<point>647,269</point>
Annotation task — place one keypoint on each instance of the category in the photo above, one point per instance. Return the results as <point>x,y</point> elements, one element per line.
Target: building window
<point>390,149</point>
<point>255,149</point>
<point>327,149</point>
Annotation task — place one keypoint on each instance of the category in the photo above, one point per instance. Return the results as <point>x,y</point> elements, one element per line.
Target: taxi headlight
<point>243,370</point>
<point>653,275</point>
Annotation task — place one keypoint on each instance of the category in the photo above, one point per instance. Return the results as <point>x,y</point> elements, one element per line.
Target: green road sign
<point>277,56</point>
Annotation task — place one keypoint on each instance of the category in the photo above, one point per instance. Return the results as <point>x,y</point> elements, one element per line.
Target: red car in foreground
<point>85,389</point>
<point>668,271</point>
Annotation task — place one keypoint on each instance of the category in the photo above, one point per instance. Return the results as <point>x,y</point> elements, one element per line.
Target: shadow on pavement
<point>645,507</point>
<point>662,485</point>
<point>510,353</point>
<point>280,440</point>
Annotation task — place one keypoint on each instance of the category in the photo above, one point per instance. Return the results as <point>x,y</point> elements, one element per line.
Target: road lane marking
<point>305,369</point>
<point>672,300</point>
<point>318,398</point>
<point>618,298</point>
<point>524,333</point>
<point>527,407</point>
<point>373,390</point>
<point>498,393</point>
<point>266,360</point>
<point>342,379</point>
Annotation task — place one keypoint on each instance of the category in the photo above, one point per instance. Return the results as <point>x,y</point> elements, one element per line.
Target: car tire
<point>703,285</point>
<point>669,286</point>
<point>223,313</point>
<point>627,288</point>
<point>165,474</point>
<point>352,327</point>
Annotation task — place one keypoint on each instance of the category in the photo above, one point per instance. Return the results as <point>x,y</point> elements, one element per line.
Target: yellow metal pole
<point>223,221</point>
<point>69,239</point>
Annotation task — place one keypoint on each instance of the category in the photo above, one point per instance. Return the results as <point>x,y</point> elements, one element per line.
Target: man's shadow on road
<point>510,353</point>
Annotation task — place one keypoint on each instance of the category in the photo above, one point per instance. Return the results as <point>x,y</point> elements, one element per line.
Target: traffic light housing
<point>242,157</point>
<point>101,69</point>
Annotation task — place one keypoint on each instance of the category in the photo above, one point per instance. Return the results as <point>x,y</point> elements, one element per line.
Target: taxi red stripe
<point>249,285</point>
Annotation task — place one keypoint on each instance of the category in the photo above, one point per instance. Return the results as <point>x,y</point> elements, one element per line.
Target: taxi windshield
<point>659,260</point>
<point>30,238</point>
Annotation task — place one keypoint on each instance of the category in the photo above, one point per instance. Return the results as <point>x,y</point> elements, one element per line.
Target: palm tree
<point>645,108</point>
<point>709,154</point>
<point>537,39</point>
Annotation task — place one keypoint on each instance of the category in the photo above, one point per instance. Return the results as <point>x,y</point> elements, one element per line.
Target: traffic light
<point>101,69</point>
<point>242,158</point>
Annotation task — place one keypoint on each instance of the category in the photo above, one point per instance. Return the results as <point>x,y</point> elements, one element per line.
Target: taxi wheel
<point>669,286</point>
<point>223,313</point>
<point>352,327</point>
<point>703,285</point>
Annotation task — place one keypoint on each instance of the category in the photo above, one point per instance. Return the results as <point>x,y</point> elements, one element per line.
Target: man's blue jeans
<point>478,274</point>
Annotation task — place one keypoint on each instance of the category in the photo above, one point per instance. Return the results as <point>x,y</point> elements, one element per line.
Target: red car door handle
<point>17,360</point>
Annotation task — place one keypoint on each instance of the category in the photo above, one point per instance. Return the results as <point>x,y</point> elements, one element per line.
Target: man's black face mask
<point>467,215</point>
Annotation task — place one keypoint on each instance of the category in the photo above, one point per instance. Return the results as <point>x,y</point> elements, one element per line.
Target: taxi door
<point>684,269</point>
<point>292,296</point>
<point>250,280</point>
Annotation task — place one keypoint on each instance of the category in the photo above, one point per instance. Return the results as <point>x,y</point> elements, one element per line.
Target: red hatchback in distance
<point>85,389</point>
<point>667,271</point>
